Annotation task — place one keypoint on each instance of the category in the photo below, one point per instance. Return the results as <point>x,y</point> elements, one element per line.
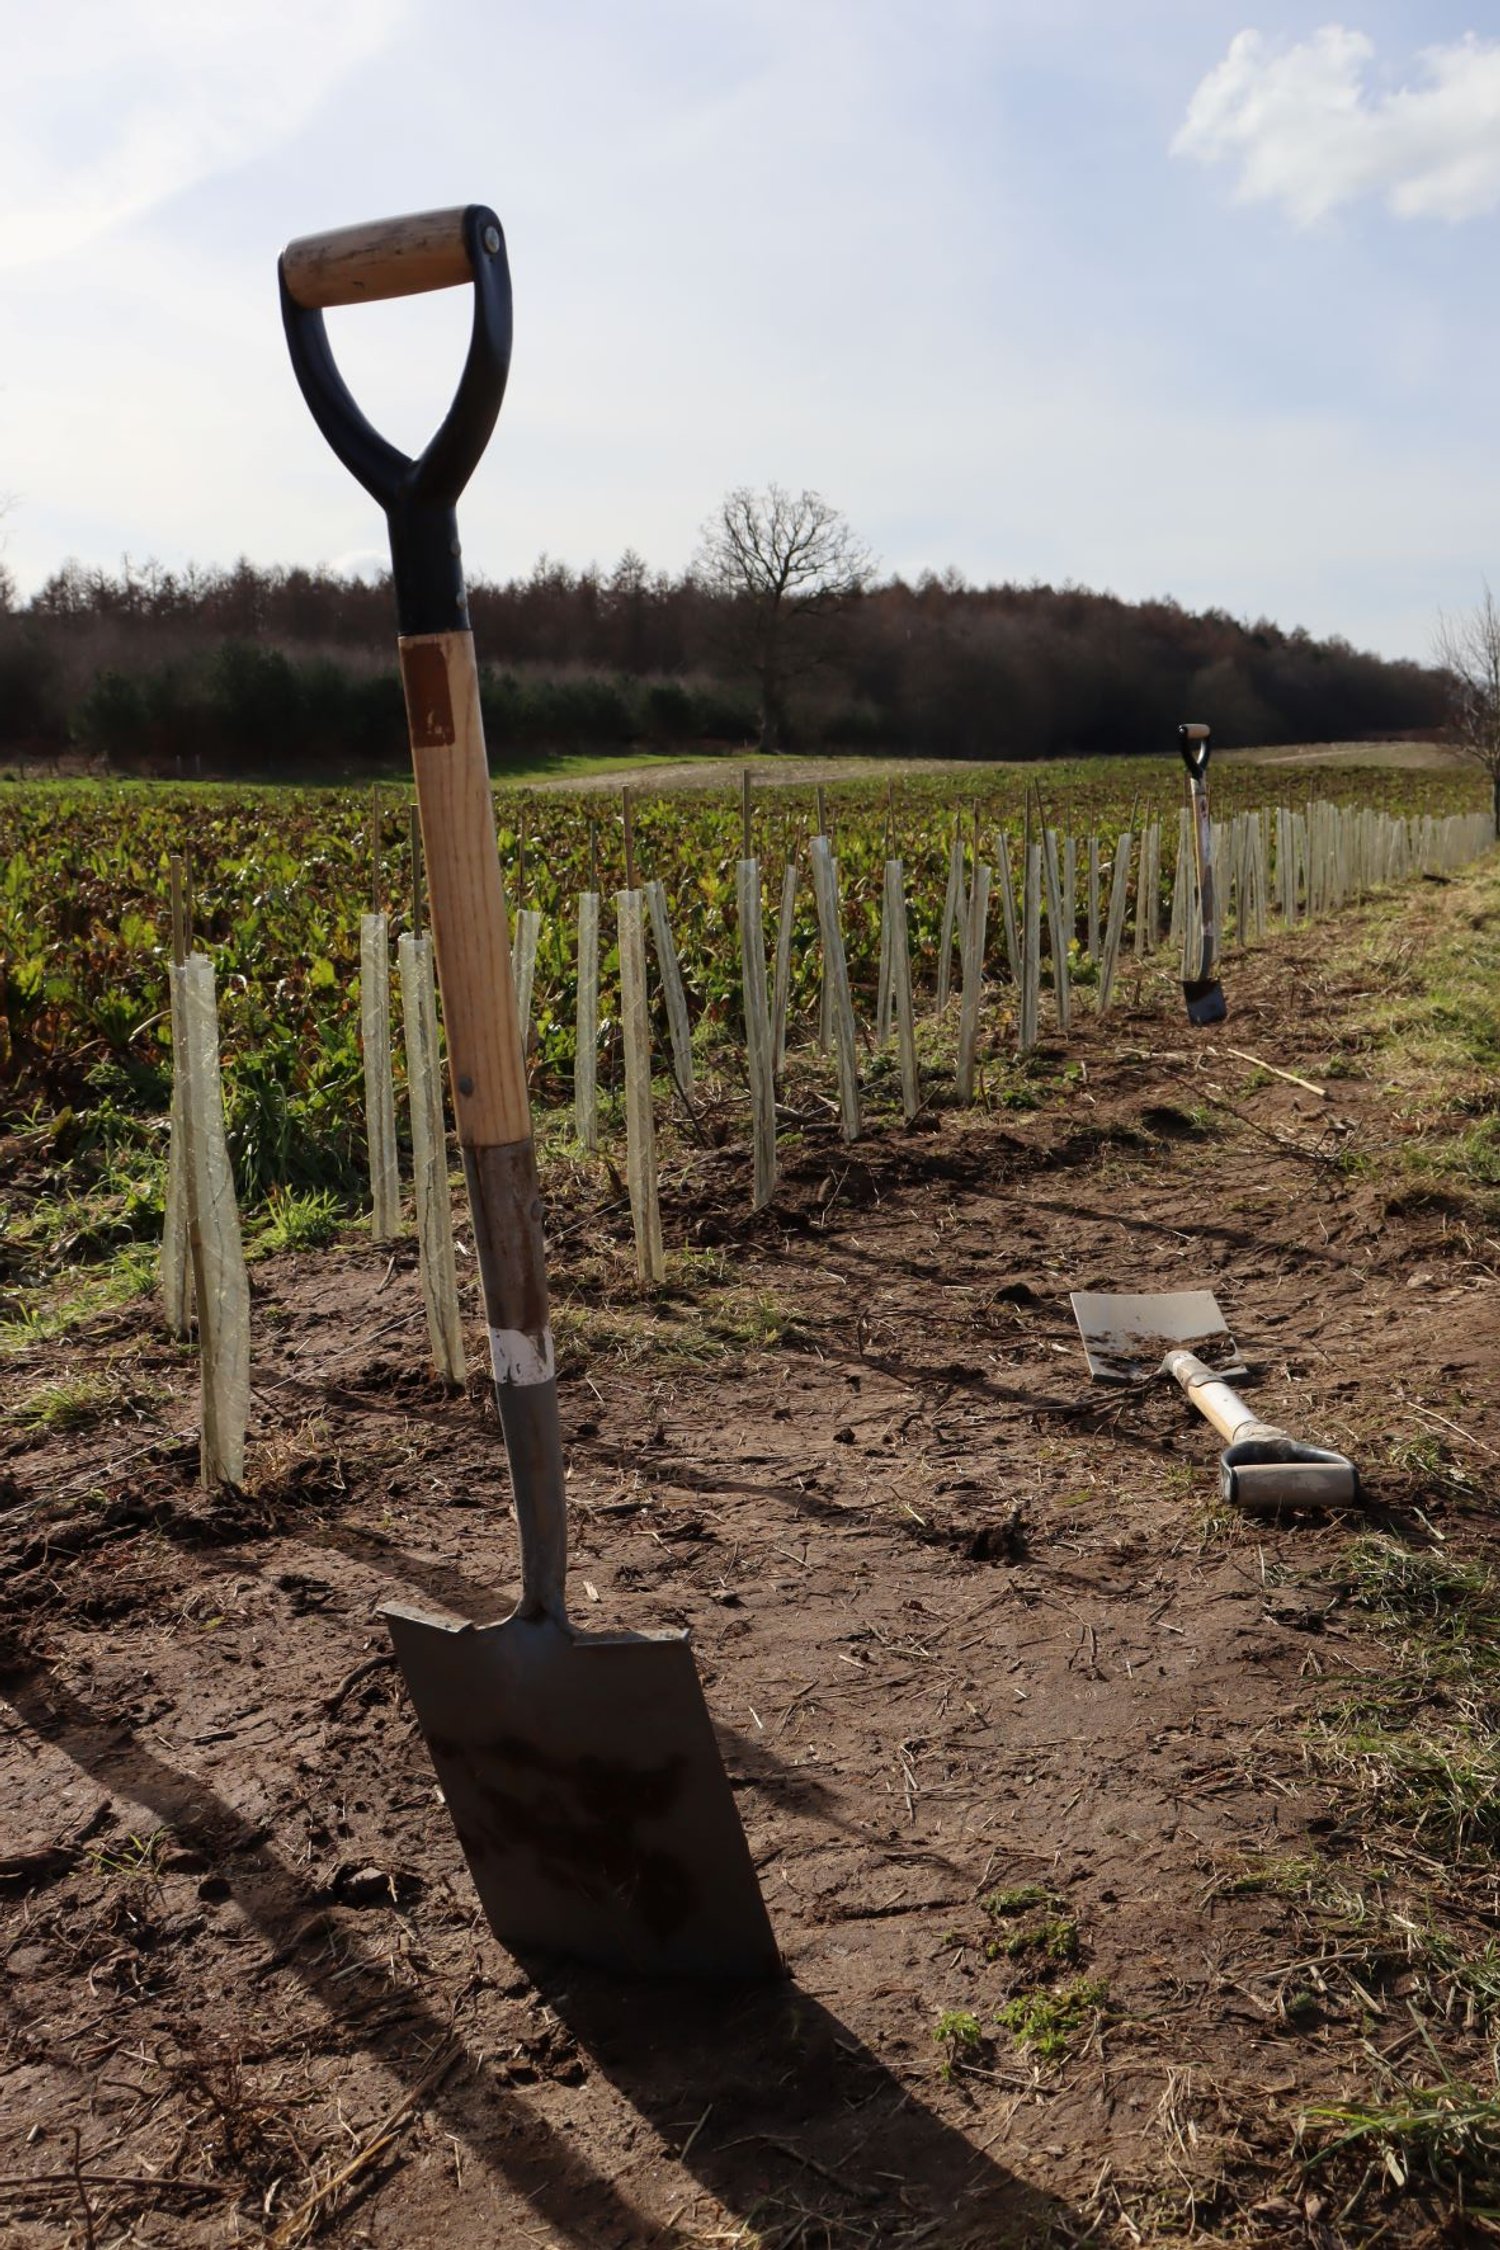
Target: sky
<point>1178,297</point>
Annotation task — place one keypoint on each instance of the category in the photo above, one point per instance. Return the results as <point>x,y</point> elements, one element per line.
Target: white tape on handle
<point>521,1358</point>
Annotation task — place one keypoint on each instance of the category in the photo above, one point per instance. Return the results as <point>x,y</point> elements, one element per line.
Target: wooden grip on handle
<point>465,891</point>
<point>381,258</point>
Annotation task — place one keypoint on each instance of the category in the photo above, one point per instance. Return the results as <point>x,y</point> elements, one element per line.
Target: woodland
<point>285,674</point>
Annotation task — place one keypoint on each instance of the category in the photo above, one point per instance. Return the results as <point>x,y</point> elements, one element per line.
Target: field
<point>1133,1862</point>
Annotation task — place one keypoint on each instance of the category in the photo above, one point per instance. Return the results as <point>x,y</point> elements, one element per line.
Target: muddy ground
<point>1010,1703</point>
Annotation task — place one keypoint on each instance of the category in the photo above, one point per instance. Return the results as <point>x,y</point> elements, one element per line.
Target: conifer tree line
<point>282,672</point>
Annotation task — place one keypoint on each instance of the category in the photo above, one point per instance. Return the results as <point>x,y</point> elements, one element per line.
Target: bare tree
<point>1467,648</point>
<point>7,576</point>
<point>782,566</point>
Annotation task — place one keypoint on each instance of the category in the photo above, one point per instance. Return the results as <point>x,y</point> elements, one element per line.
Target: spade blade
<point>583,1778</point>
<point>1126,1338</point>
<point>1205,1000</point>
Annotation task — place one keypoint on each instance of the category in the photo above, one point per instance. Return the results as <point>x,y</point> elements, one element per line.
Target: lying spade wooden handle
<point>1262,1468</point>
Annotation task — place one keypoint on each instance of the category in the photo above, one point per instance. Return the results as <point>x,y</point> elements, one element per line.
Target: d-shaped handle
<point>1193,739</point>
<point>401,258</point>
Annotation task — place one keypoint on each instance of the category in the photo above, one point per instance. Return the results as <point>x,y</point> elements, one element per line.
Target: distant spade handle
<point>1194,740</point>
<point>381,258</point>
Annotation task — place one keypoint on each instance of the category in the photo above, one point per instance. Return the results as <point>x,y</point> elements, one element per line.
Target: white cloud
<point>112,106</point>
<point>1310,131</point>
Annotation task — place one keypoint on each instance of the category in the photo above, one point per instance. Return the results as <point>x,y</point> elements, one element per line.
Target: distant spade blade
<point>1205,1000</point>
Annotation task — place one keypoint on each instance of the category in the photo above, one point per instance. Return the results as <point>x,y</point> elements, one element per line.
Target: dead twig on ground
<point>293,2229</point>
<point>380,1662</point>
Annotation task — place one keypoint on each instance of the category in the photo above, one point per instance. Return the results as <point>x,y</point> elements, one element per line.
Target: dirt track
<point>968,1630</point>
<point>787,771</point>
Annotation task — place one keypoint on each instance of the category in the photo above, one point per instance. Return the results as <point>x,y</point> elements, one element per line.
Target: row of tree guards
<point>1290,865</point>
<point>1307,863</point>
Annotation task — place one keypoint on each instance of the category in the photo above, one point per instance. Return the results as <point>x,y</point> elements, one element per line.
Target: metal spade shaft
<point>580,1769</point>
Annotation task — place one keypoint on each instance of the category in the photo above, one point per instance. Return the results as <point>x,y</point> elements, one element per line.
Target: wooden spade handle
<point>380,258</point>
<point>487,1069</point>
<point>1214,1399</point>
<point>467,894</point>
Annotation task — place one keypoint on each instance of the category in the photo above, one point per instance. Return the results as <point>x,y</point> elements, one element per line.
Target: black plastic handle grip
<point>1193,740</point>
<point>419,496</point>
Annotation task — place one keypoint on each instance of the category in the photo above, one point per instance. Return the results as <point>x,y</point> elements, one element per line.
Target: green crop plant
<point>1001,1905</point>
<point>961,2033</point>
<point>280,877</point>
<point>1049,2019</point>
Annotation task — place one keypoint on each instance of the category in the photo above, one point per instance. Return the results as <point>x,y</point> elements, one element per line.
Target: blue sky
<point>1171,298</point>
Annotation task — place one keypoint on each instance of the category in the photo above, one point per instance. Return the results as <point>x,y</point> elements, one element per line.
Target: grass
<point>682,1322</point>
<point>1418,1747</point>
<point>306,1219</point>
<point>1428,1457</point>
<point>1438,1780</point>
<point>72,1298</point>
<point>81,1402</point>
<point>1405,1586</point>
<point>1446,2131</point>
<point>1393,1930</point>
<point>1424,1740</point>
<point>1433,1036</point>
<point>134,1859</point>
<point>1288,1877</point>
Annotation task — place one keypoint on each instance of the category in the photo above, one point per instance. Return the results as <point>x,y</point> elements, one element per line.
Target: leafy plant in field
<point>280,877</point>
<point>962,2035</point>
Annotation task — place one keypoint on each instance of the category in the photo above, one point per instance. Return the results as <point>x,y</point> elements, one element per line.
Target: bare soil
<point>967,1627</point>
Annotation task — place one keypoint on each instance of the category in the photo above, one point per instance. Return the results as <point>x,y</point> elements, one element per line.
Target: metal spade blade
<point>582,1775</point>
<point>1126,1339</point>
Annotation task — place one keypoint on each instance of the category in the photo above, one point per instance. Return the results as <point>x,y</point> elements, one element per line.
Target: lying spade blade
<point>1126,1338</point>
